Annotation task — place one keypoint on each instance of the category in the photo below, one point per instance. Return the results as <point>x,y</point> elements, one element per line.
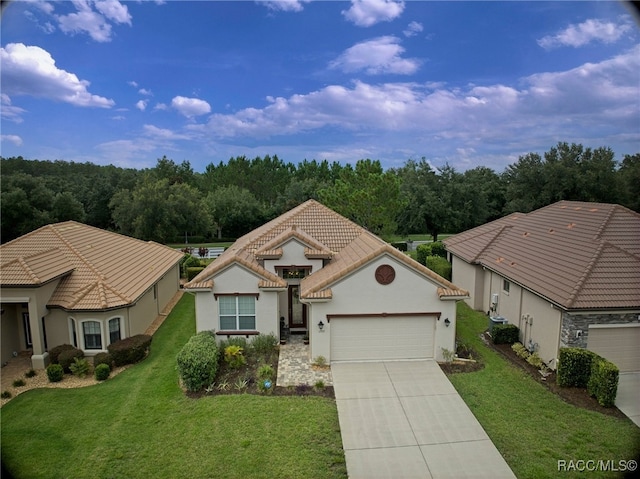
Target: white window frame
<point>102,342</point>
<point>236,314</point>
<point>506,285</point>
<point>120,323</point>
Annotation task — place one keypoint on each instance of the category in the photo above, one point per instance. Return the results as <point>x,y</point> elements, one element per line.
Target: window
<point>114,330</point>
<point>237,312</point>
<point>294,272</point>
<point>92,335</point>
<point>505,285</point>
<point>74,335</point>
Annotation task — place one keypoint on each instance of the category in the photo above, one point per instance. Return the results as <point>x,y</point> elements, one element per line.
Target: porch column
<point>40,358</point>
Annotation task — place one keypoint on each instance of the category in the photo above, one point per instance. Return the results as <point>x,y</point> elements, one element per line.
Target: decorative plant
<point>241,384</point>
<point>18,383</point>
<point>320,361</point>
<point>55,373</point>
<point>448,355</point>
<point>5,395</point>
<point>102,372</point>
<point>30,373</point>
<point>80,367</point>
<point>319,384</point>
<point>266,371</point>
<point>234,356</point>
<point>223,385</point>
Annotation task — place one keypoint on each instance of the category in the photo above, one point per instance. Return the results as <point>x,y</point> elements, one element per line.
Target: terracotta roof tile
<point>99,269</point>
<point>328,235</point>
<point>578,255</point>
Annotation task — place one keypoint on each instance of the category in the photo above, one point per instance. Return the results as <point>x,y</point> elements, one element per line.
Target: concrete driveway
<point>404,419</point>
<point>628,394</point>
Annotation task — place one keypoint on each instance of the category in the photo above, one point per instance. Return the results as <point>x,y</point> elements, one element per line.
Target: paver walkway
<point>404,419</point>
<point>295,368</point>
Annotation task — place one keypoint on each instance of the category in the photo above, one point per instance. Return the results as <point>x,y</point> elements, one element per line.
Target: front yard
<point>532,427</point>
<point>140,424</point>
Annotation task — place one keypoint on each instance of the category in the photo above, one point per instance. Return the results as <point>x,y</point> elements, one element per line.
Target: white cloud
<point>141,105</point>
<point>134,84</point>
<point>144,91</point>
<point>15,139</point>
<point>190,107</point>
<point>284,5</point>
<point>10,112</point>
<point>413,29</point>
<point>586,100</point>
<point>30,70</point>
<point>163,133</point>
<point>586,32</point>
<point>376,56</point>
<point>161,107</point>
<point>365,13</point>
<point>94,17</point>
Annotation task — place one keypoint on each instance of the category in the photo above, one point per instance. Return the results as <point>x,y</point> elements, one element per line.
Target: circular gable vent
<point>385,274</point>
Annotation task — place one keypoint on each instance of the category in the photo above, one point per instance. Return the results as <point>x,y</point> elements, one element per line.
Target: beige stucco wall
<point>11,331</point>
<point>168,286</point>
<point>360,293</point>
<point>237,279</point>
<point>540,323</point>
<point>471,278</point>
<point>292,255</point>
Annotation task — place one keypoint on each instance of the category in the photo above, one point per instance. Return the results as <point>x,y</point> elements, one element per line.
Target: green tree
<point>25,205</point>
<point>367,195</point>
<point>234,211</point>
<point>629,174</point>
<point>66,207</point>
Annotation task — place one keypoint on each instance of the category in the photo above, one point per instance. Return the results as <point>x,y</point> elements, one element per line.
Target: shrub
<point>439,265</point>
<point>55,373</point>
<point>54,353</point>
<point>535,360</point>
<point>30,373</point>
<point>520,350</point>
<point>80,367</point>
<point>266,372</point>
<point>234,341</point>
<point>264,344</point>
<point>505,334</point>
<point>265,386</point>
<point>603,382</point>
<point>574,367</point>
<point>319,384</point>
<point>198,361</point>
<point>102,358</point>
<point>234,357</point>
<point>193,271</point>
<point>129,350</point>
<point>189,261</point>
<point>18,383</point>
<point>320,361</point>
<point>422,251</point>
<point>67,357</point>
<point>438,249</point>
<point>5,395</point>
<point>401,246</point>
<point>102,371</point>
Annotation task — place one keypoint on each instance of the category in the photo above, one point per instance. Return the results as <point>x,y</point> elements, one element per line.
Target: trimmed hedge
<point>129,350</point>
<point>102,371</point>
<point>67,358</point>
<point>603,383</point>
<point>574,367</point>
<point>192,272</point>
<point>198,361</point>
<point>402,246</point>
<point>54,353</point>
<point>102,358</point>
<point>505,334</point>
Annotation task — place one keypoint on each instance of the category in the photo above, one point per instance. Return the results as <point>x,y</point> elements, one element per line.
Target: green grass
<point>139,424</point>
<point>532,427</point>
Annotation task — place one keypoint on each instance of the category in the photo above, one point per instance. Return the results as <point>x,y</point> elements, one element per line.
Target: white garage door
<point>381,338</point>
<point>618,344</point>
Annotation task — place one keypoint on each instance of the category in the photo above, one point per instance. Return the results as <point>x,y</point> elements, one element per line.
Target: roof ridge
<point>498,233</point>
<point>604,224</point>
<point>29,271</point>
<point>585,275</point>
<point>76,252</point>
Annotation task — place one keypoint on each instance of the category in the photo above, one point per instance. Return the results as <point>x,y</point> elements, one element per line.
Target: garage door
<point>618,344</point>
<point>381,338</point>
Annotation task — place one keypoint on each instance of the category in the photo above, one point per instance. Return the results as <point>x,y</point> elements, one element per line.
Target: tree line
<point>171,202</point>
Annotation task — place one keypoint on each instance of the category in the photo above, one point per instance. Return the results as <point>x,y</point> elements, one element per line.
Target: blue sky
<point>464,83</point>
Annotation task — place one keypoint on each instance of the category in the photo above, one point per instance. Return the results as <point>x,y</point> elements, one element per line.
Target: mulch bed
<point>576,396</point>
<point>232,376</point>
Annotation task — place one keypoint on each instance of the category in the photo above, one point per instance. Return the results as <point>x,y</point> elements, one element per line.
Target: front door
<point>297,310</point>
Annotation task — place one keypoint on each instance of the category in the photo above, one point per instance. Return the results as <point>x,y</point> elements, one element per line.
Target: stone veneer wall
<point>580,322</point>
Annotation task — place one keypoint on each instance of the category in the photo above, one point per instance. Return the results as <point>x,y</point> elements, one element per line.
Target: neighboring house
<point>567,275</point>
<point>320,274</point>
<point>76,284</point>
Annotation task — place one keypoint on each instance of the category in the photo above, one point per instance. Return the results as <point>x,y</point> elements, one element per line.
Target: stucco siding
<point>12,338</point>
<point>540,323</point>
<point>470,277</point>
<point>237,279</point>
<point>360,293</point>
<point>292,254</point>
<point>143,313</point>
<point>168,286</point>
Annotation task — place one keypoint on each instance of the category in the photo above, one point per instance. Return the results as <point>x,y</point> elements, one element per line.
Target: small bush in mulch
<point>67,358</point>
<point>102,372</point>
<point>55,373</point>
<point>54,353</point>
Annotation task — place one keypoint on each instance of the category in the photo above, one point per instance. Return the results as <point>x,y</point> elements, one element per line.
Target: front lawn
<point>139,424</point>
<point>532,427</point>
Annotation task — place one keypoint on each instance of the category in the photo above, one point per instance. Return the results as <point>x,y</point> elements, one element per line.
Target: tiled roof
<point>327,234</point>
<point>578,255</point>
<point>99,269</point>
